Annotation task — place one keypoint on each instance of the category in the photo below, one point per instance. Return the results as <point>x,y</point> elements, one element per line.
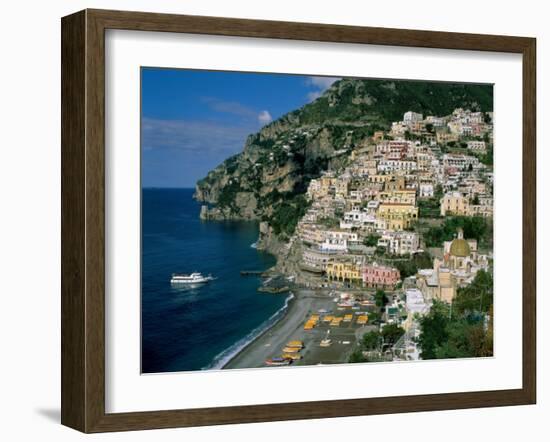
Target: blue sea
<point>202,327</point>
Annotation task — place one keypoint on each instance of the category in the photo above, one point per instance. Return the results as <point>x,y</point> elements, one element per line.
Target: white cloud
<point>247,114</point>
<point>264,117</point>
<point>320,84</point>
<point>311,96</point>
<point>229,107</point>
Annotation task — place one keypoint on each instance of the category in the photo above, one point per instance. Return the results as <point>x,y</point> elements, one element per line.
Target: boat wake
<point>254,245</point>
<point>229,353</point>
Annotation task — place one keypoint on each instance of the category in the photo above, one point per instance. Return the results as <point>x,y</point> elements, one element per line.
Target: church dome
<point>460,248</point>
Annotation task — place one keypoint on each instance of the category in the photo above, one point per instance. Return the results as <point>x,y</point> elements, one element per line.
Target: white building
<point>475,118</point>
<point>398,128</point>
<point>459,161</point>
<point>436,121</point>
<point>372,206</point>
<point>358,218</point>
<point>426,190</point>
<point>415,302</point>
<point>316,260</point>
<point>400,242</point>
<point>455,127</point>
<point>477,146</point>
<point>313,189</point>
<point>338,240</point>
<point>412,117</point>
<point>396,165</point>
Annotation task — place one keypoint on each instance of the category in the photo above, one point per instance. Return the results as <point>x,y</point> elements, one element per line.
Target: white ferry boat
<point>193,278</point>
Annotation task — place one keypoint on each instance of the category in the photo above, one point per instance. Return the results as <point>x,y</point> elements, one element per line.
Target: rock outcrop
<point>267,180</point>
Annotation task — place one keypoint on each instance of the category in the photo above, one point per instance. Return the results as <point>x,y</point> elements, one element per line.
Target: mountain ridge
<point>267,180</point>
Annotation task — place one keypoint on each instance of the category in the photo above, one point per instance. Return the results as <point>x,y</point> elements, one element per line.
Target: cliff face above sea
<point>268,179</point>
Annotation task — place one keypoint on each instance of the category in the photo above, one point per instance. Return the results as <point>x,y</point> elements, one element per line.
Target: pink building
<point>379,276</point>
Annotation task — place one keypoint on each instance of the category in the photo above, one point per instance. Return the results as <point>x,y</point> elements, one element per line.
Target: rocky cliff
<point>268,179</point>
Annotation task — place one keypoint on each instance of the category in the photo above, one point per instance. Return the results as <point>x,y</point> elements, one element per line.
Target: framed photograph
<point>267,221</point>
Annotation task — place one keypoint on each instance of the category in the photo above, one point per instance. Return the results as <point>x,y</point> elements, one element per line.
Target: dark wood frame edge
<point>83,215</point>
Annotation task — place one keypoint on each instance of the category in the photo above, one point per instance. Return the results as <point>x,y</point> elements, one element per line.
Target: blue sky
<point>193,120</point>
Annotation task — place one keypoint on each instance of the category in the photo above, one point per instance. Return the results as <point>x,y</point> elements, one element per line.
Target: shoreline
<point>241,354</point>
<point>289,327</point>
<point>229,354</point>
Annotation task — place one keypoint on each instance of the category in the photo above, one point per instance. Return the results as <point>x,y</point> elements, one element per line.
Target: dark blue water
<point>191,329</point>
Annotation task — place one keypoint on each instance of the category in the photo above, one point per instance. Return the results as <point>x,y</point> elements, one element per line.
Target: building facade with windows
<point>375,276</point>
<point>454,203</point>
<point>397,216</point>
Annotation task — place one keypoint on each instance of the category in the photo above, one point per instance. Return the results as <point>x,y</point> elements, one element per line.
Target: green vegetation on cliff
<point>287,211</point>
<point>265,181</point>
<point>384,101</point>
<point>463,329</point>
<point>478,228</point>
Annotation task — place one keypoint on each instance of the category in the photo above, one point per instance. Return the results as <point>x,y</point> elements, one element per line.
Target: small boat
<point>326,342</point>
<point>276,362</point>
<point>193,278</point>
<point>345,304</point>
<point>292,356</point>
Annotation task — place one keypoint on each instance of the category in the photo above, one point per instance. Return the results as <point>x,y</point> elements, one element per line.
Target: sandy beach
<point>291,327</point>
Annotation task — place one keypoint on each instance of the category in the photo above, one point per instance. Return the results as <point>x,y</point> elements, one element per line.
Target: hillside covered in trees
<point>267,179</point>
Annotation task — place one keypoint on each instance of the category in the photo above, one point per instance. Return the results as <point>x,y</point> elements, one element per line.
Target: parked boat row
<point>290,353</point>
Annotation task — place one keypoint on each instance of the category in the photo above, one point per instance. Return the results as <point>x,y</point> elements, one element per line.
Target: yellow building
<point>397,216</point>
<point>327,183</point>
<point>446,137</point>
<point>321,187</point>
<point>341,186</point>
<point>407,196</point>
<point>344,271</point>
<point>439,283</point>
<point>379,178</point>
<point>446,291</point>
<point>395,183</point>
<point>454,203</point>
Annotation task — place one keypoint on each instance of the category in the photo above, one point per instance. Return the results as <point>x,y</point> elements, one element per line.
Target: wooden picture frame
<point>83,220</point>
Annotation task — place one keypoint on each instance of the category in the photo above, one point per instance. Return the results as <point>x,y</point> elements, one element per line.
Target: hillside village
<point>390,222</point>
<point>376,224</point>
<point>371,207</point>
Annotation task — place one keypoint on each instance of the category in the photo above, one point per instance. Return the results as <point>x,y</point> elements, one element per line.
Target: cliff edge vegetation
<point>268,179</point>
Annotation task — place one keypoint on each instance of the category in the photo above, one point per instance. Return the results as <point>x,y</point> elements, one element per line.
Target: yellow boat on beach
<point>311,322</point>
<point>292,356</point>
<point>291,350</point>
<point>295,344</point>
